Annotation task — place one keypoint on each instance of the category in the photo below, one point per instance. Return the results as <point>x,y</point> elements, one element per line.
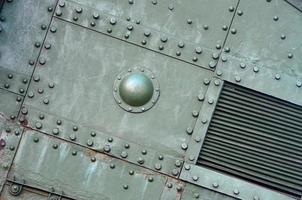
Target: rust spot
<point>24,123</point>
<point>90,152</point>
<point>2,144</point>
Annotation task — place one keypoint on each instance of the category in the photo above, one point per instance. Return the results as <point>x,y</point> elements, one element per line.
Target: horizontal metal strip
<point>254,130</point>
<point>253,158</point>
<point>261,144</point>
<point>255,137</point>
<point>248,169</point>
<point>261,99</point>
<point>229,118</point>
<point>261,166</point>
<point>212,163</point>
<point>261,123</point>
<point>222,138</point>
<point>266,115</point>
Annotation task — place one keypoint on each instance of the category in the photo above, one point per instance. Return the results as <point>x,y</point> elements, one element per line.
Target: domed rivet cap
<point>205,27</point>
<point>75,18</point>
<point>187,167</point>
<point>170,7</point>
<point>2,18</point>
<point>163,39</point>
<point>189,130</point>
<point>127,35</point>
<point>198,50</point>
<point>112,21</point>
<point>189,21</point>
<point>179,188</point>
<point>38,125</point>
<point>62,4</point>
<point>298,83</point>
<point>109,30</point>
<point>236,191</point>
<point>218,46</point>
<point>195,113</point>
<point>161,47</point>
<point>58,13</point>
<point>175,172</point>
<point>41,116</point>
<point>6,85</point>
<point>12,148</point>
<point>55,146</point>
<point>79,10</point>
<point>110,139</point>
<point>24,111</point>
<point>43,27</point>
<point>290,55</point>
<point>195,178</point>
<point>150,179</point>
<point>10,76</point>
<point>107,148</point>
<point>124,154</point>
<point>112,166</point>
<point>178,53</point>
<point>197,139</point>
<point>75,128</point>
<point>51,85</point>
<point>217,82</point>
<point>283,37</point>
<point>2,143</point>
<point>140,160</point>
<point>144,42</point>
<point>160,157</point>
<point>53,29</point>
<point>212,64</point>
<point>36,139</point>
<point>74,153</point>
<point>130,1</point>
<point>21,90</point>
<point>237,78</point>
<point>215,56</point>
<point>157,166</point>
<point>93,134</point>
<point>223,58</point>
<point>50,9</point>
<point>154,2</point>
<point>276,18</point>
<point>72,137</point>
<point>225,27</point>
<point>191,158</point>
<point>55,131</point>
<point>92,24</point>
<point>93,159</point>
<point>215,185</point>
<point>147,33</point>
<point>42,61</point>
<point>181,44</point>
<point>137,21</point>
<point>130,27</point>
<point>127,146</point>
<point>277,76</point>
<point>239,12</point>
<point>125,187</point>
<point>210,100</point>
<point>89,143</point>
<point>227,49</point>
<point>46,101</point>
<point>233,31</point>
<point>59,122</point>
<point>169,185</point>
<point>18,99</point>
<point>144,152</point>
<point>242,65</point>
<point>37,44</point>
<point>184,146</point>
<point>131,172</point>
<point>256,69</point>
<point>231,8</point>
<point>206,81</point>
<point>96,15</point>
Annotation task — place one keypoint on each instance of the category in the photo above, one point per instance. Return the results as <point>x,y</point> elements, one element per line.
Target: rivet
<point>140,160</point>
<point>194,59</point>
<point>161,47</point>
<point>110,139</point>
<point>131,172</point>
<point>195,178</point>
<point>215,185</point>
<point>126,36</point>
<point>242,65</point>
<point>150,179</point>
<point>237,78</point>
<point>18,98</point>
<point>74,153</point>
<point>24,111</point>
<point>6,85</point>
<point>5,166</point>
<point>43,27</point>
<point>184,146</point>
<point>189,21</point>
<point>239,12</point>
<point>217,82</point>
<point>38,125</point>
<point>189,130</point>
<point>46,101</point>
<point>58,12</point>
<point>124,154</point>
<point>218,46</point>
<point>158,166</point>
<point>112,21</point>
<point>223,58</point>
<point>130,1</point>
<point>147,33</point>
<point>212,64</point>
<point>205,27</point>
<point>93,134</point>
<point>59,122</point>
<point>51,85</point>
<point>210,100</point>
<point>283,37</point>
<point>178,53</point>
<point>164,39</point>
<point>55,131</point>
<point>42,61</point>
<point>227,49</point>
<point>181,44</point>
<point>298,83</point>
<point>50,9</point>
<point>112,166</point>
<point>92,24</point>
<point>2,143</point>
<point>137,21</point>
<point>128,19</point>
<point>17,132</point>
<point>79,10</point>
<point>290,55</point>
<point>225,27</point>
<point>90,143</point>
<point>75,128</point>
<point>231,8</point>
<point>11,148</point>
<point>24,81</point>
<point>144,42</point>
<point>175,172</point>
<point>169,185</point>
<point>96,15</point>
<point>72,137</point>
<point>276,18</point>
<point>130,27</point>
<point>154,2</point>
<point>2,18</point>
<point>191,158</point>
<point>196,195</point>
<point>236,191</point>
<point>107,148</point>
<point>10,76</point>
<point>21,90</point>
<point>36,78</point>
<point>75,18</point>
<point>62,4</point>
<point>256,69</point>
<point>179,188</point>
<point>206,81</point>
<point>170,7</point>
<point>187,167</point>
<point>160,157</point>
<point>195,113</point>
<point>55,146</point>
<point>198,50</point>
<point>144,152</point>
<point>277,76</point>
<point>233,31</point>
<point>178,163</point>
<point>125,187</point>
<point>197,139</point>
<point>93,159</point>
<point>127,146</point>
<point>53,29</point>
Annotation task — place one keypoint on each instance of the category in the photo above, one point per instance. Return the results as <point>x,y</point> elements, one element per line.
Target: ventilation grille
<point>256,137</point>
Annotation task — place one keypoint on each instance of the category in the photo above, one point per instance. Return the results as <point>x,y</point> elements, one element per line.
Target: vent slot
<point>256,137</point>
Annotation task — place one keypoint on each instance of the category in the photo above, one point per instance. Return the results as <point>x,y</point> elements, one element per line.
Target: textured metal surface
<point>10,104</point>
<point>257,137</point>
<point>296,3</point>
<point>227,185</point>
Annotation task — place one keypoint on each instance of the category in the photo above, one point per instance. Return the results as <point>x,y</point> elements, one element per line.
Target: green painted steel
<point>116,96</point>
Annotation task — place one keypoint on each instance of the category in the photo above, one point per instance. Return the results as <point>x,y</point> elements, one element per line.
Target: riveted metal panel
<point>89,101</point>
<point>10,135</point>
<point>10,104</point>
<point>22,30</point>
<point>227,185</point>
<point>81,173</point>
<point>269,62</point>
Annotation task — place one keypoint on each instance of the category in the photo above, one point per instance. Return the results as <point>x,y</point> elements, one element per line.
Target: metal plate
<point>10,104</point>
<point>81,173</point>
<point>80,83</point>
<point>270,39</point>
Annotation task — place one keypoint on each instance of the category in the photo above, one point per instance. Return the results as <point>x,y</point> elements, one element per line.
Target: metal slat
<point>256,137</point>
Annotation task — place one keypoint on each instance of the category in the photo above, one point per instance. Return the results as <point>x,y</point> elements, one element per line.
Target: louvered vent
<point>256,137</point>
